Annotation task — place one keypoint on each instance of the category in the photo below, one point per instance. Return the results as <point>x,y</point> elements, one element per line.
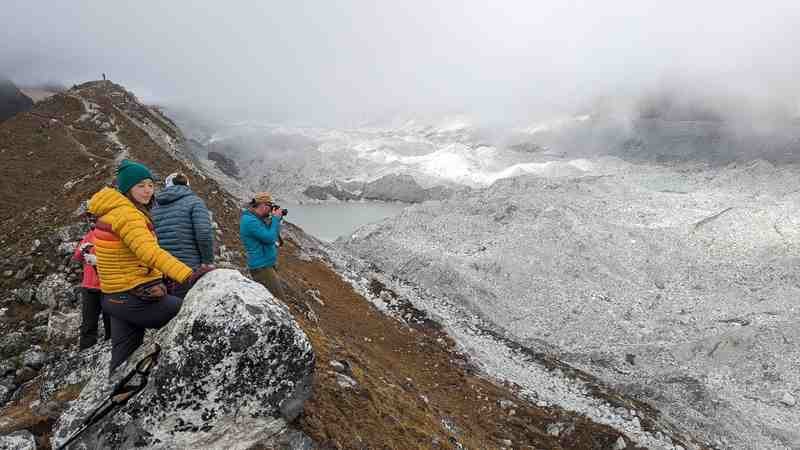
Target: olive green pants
<point>268,277</point>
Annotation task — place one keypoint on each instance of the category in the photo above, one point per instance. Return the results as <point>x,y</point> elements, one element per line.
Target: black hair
<point>180,179</point>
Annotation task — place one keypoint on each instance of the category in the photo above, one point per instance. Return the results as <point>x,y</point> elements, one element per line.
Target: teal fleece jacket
<point>259,239</point>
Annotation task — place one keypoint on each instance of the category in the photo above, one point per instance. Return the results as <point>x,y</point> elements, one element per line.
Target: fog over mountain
<point>349,62</point>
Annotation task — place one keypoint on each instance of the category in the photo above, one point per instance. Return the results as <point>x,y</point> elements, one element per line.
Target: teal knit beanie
<point>129,173</point>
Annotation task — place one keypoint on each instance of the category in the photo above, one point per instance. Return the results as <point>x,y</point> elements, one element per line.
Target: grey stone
<point>63,327</point>
<point>554,429</point>
<point>345,382</point>
<point>18,440</point>
<point>24,295</point>
<point>225,378</point>
<point>25,374</point>
<point>70,233</point>
<point>41,317</point>
<point>13,343</point>
<point>34,358</point>
<point>7,367</point>
<point>8,273</point>
<point>67,248</point>
<point>55,291</point>
<point>25,272</point>
<point>506,404</point>
<point>620,444</point>
<point>6,391</point>
<point>40,332</point>
<point>788,400</point>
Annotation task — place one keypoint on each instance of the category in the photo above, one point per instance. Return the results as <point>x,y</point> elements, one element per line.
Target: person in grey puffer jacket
<point>183,224</point>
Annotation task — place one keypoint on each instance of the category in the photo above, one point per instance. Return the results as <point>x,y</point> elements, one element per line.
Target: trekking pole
<point>119,396</point>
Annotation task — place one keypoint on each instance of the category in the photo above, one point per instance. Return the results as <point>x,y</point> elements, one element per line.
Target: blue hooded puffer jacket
<point>183,226</point>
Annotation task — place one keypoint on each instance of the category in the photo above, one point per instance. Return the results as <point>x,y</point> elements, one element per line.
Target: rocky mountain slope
<point>675,284</point>
<point>305,163</point>
<point>12,101</point>
<point>401,188</point>
<point>386,374</point>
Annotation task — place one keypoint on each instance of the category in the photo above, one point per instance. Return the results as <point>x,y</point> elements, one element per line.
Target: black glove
<point>198,273</point>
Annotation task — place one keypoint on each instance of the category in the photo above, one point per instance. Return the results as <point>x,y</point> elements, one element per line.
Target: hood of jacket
<point>107,200</point>
<point>173,193</point>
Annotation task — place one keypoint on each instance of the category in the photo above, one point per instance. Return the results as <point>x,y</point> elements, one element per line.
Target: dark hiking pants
<point>268,277</point>
<point>180,290</point>
<point>130,316</point>
<point>90,311</point>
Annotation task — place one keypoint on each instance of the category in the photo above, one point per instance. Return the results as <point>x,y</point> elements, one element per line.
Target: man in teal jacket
<point>259,230</point>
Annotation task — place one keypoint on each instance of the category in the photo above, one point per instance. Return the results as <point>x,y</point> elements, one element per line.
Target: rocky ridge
<point>394,187</point>
<point>12,100</point>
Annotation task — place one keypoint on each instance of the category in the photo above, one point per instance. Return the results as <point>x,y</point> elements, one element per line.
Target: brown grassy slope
<point>44,149</point>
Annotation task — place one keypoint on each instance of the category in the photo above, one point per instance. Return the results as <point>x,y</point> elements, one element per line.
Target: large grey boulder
<point>18,440</point>
<point>233,370</point>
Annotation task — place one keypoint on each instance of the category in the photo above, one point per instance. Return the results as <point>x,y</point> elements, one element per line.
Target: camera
<point>284,211</point>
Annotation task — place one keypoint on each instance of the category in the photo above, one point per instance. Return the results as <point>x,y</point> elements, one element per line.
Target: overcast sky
<point>338,61</point>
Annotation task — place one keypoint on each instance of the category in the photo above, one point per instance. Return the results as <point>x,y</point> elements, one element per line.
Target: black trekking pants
<point>130,316</point>
<point>90,311</point>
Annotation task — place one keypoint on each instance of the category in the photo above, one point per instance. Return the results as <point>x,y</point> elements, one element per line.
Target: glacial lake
<point>329,221</point>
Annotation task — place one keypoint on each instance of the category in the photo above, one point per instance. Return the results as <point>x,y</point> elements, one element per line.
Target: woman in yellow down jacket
<point>130,263</point>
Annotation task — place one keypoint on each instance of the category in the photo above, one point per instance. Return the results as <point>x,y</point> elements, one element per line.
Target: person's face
<point>262,209</point>
<point>142,192</point>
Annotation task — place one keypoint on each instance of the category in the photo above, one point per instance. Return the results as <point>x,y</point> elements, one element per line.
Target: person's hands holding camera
<point>277,211</point>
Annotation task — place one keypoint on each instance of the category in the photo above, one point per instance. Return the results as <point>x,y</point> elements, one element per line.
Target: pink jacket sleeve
<point>87,238</point>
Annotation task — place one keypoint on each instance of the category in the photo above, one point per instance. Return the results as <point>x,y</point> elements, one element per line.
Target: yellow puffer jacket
<point>127,250</point>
